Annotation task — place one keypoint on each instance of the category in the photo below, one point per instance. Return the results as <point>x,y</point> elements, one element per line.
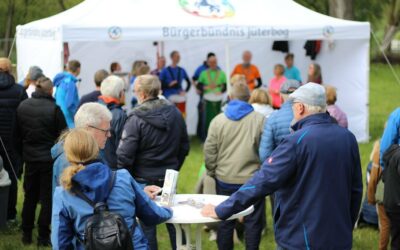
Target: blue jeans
<point>252,226</point>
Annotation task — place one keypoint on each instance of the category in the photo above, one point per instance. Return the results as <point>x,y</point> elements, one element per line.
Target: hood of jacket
<point>389,153</point>
<point>6,80</point>
<point>157,112</point>
<point>312,120</point>
<point>94,181</point>
<point>57,150</point>
<point>58,79</point>
<point>237,109</point>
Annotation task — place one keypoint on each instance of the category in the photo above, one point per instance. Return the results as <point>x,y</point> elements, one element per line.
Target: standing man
<point>11,95</point>
<point>231,156</point>
<point>93,96</point>
<point>171,78</point>
<point>67,92</point>
<point>154,140</point>
<point>250,71</point>
<point>211,84</point>
<point>316,176</point>
<point>113,97</point>
<point>160,66</point>
<point>291,71</point>
<point>40,122</point>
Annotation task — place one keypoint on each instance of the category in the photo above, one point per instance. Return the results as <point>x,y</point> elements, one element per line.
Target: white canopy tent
<point>101,31</point>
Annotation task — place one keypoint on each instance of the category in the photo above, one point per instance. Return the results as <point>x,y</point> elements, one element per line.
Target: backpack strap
<point>84,197</point>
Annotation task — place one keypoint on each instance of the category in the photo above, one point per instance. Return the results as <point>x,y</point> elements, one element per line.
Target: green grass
<point>384,97</point>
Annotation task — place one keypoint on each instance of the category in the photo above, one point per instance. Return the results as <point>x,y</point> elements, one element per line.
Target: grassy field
<point>384,98</point>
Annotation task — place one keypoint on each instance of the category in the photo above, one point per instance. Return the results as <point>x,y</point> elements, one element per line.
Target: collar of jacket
<point>320,118</point>
<point>109,99</point>
<point>40,94</point>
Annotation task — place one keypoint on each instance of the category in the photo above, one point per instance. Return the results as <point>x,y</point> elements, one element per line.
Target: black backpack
<point>104,229</point>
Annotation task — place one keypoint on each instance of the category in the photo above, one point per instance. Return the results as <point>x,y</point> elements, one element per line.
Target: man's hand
<point>209,211</point>
<point>151,191</point>
<point>173,83</point>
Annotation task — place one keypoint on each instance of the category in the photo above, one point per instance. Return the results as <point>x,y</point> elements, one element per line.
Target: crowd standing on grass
<point>287,139</point>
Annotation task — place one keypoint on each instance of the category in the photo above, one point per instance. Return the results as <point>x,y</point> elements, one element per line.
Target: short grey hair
<point>92,114</point>
<point>312,109</point>
<point>240,91</point>
<point>149,85</point>
<point>112,86</point>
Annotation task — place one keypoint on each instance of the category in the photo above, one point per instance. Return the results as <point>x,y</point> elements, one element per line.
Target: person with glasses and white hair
<point>315,173</point>
<point>96,118</point>
<point>113,97</point>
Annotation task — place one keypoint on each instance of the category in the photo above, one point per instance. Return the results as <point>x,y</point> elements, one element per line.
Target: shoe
<point>26,238</point>
<point>43,242</point>
<point>213,235</point>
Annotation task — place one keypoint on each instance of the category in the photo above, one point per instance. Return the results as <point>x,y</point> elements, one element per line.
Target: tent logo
<point>328,31</point>
<point>114,32</point>
<point>208,8</point>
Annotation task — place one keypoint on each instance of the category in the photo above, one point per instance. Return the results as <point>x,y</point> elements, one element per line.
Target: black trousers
<point>38,188</point>
<point>253,226</point>
<point>394,230</point>
<point>13,190</point>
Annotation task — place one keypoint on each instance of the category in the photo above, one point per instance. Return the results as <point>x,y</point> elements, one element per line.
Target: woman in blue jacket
<point>126,197</point>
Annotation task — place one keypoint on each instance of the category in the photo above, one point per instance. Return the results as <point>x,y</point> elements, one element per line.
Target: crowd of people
<point>287,140</point>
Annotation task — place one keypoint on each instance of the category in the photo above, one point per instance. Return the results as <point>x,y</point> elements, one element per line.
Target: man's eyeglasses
<point>105,131</point>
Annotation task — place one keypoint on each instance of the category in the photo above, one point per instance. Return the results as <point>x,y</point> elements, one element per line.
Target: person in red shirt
<point>250,71</point>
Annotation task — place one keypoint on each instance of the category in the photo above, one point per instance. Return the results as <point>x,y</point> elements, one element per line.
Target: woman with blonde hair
<point>333,109</point>
<point>99,183</point>
<point>261,102</point>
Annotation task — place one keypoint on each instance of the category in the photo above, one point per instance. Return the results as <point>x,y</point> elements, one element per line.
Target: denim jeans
<point>252,226</point>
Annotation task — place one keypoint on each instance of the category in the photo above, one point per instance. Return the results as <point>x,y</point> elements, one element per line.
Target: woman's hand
<point>152,191</point>
<point>209,211</point>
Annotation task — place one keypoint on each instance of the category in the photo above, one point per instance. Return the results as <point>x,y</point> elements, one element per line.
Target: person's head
<point>74,67</point>
<point>147,87</point>
<point>136,65</point>
<point>212,62</point>
<point>99,77</point>
<point>161,62</point>
<point>114,87</point>
<point>143,70</point>
<point>279,70</point>
<point>260,96</point>
<point>44,85</point>
<point>175,57</point>
<point>115,67</point>
<point>95,118</point>
<point>289,58</point>
<point>246,57</point>
<point>80,148</point>
<point>288,87</point>
<point>314,72</point>
<point>237,79</point>
<point>331,95</point>
<point>34,73</point>
<point>5,65</point>
<point>239,91</point>
<point>309,99</point>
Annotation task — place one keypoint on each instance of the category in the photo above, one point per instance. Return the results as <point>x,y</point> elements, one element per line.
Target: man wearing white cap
<point>315,174</point>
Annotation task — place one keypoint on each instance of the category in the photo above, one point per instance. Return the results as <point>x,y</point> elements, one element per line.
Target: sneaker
<point>213,235</point>
<point>26,238</point>
<point>43,242</point>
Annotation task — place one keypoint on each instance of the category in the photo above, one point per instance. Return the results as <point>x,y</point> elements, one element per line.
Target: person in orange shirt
<point>249,70</point>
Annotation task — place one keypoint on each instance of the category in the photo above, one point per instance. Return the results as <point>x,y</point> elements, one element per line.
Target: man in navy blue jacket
<point>315,173</point>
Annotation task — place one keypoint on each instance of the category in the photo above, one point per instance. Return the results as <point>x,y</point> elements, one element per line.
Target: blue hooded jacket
<point>315,174</point>
<point>275,128</point>
<point>237,109</point>
<point>67,95</point>
<point>126,198</point>
<point>61,163</point>
<point>391,134</point>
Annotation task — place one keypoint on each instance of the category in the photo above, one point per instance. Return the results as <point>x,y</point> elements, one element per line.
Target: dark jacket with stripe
<point>316,176</point>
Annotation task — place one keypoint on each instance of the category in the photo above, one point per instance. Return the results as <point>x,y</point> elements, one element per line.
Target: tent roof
<point>148,19</point>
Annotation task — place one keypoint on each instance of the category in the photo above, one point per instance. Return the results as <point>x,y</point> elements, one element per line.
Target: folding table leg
<point>186,228</point>
<point>178,230</point>
<point>199,228</point>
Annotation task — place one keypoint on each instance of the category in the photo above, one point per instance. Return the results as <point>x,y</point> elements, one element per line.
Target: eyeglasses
<point>105,131</point>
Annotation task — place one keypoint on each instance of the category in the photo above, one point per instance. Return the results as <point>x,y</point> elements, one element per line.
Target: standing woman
<point>275,86</point>
<point>40,123</point>
<point>124,196</point>
<point>314,73</point>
